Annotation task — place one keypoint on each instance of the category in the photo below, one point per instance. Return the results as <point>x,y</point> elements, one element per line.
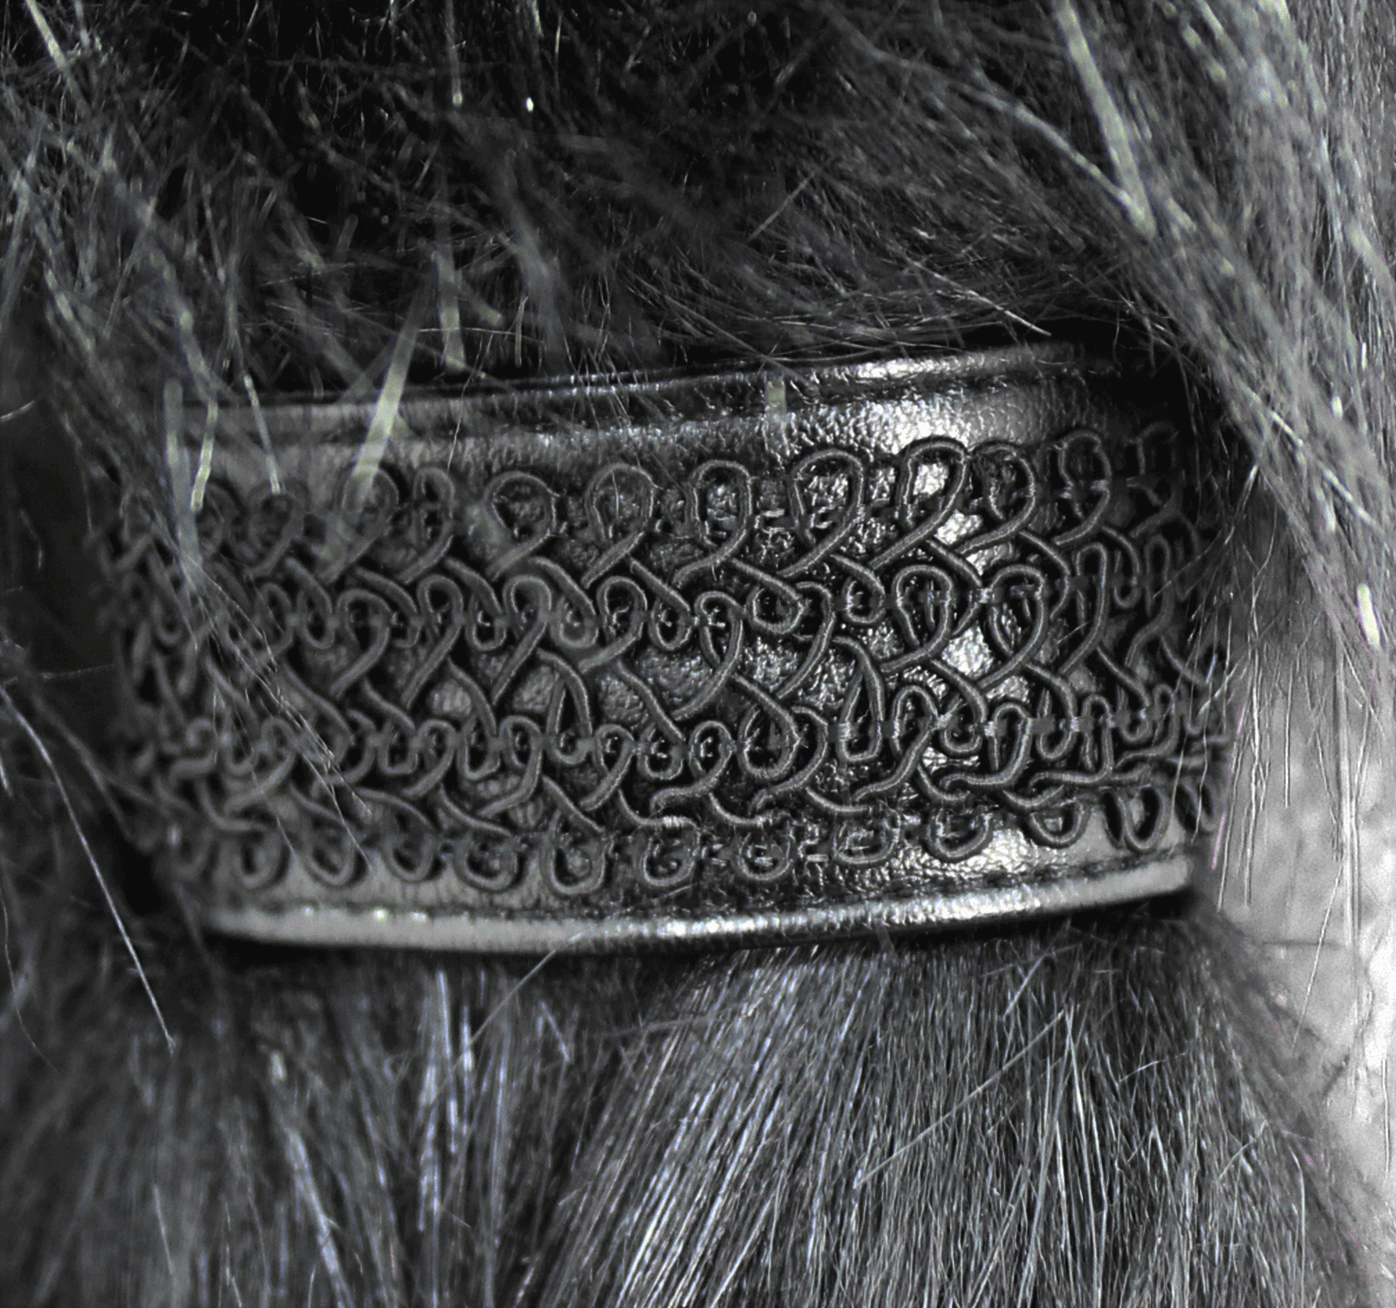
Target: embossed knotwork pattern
<point>646,677</point>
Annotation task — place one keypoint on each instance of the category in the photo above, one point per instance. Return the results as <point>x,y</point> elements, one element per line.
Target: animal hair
<point>1071,1112</point>
<point>233,201</point>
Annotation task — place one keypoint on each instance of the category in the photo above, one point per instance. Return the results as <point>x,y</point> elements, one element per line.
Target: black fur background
<point>241,200</point>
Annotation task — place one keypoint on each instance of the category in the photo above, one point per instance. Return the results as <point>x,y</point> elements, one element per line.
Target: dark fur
<point>289,197</point>
<point>1073,1113</point>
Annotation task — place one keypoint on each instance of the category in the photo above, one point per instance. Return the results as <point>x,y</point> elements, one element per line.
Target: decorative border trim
<point>758,656</point>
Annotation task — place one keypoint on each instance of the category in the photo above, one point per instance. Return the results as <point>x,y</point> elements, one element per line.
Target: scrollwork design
<point>656,677</point>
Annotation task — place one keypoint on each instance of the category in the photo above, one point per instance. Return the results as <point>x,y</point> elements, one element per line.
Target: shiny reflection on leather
<point>740,658</point>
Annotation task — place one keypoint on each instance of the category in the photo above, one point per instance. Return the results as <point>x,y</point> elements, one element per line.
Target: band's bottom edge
<point>395,928</point>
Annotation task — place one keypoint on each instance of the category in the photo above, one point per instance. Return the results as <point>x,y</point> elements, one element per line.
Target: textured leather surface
<point>755,657</point>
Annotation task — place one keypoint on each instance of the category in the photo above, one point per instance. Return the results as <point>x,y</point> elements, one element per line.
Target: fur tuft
<point>1071,1113</point>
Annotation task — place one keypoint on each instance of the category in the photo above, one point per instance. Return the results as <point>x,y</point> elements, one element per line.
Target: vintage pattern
<point>641,678</point>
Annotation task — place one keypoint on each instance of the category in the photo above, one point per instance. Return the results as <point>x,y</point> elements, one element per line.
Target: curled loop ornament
<point>641,685</point>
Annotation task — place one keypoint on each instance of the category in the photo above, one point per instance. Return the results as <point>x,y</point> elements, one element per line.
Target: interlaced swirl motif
<point>643,678</point>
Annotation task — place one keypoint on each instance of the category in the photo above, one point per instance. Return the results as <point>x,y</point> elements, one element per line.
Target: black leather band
<point>747,657</point>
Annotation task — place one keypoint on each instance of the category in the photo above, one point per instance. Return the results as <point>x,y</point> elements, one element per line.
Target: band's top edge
<point>669,396</point>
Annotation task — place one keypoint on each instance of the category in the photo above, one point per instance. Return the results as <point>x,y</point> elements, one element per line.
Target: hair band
<point>753,657</point>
